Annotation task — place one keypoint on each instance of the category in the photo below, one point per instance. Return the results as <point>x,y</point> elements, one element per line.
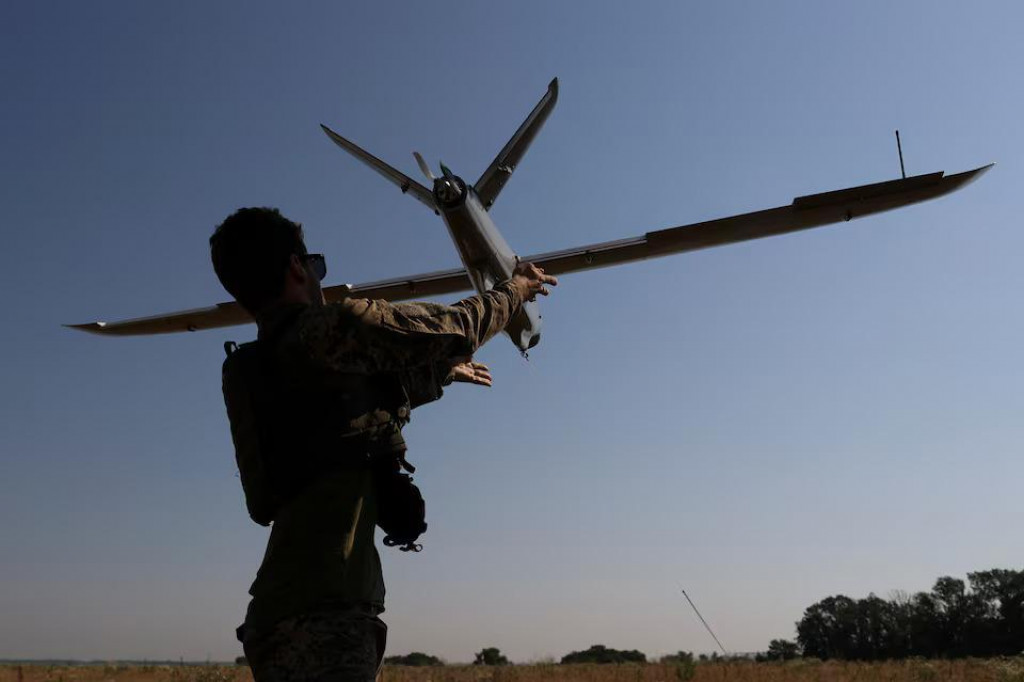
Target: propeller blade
<point>424,168</point>
<point>447,173</point>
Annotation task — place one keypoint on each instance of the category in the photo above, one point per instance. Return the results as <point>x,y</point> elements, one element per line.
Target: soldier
<point>316,404</point>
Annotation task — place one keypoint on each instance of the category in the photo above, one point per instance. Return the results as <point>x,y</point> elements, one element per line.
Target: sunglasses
<point>318,262</point>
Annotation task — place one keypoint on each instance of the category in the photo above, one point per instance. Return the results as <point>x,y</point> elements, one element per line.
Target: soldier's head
<point>261,259</point>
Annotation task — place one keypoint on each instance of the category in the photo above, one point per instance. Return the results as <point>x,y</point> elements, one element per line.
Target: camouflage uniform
<point>318,592</point>
<point>340,644</point>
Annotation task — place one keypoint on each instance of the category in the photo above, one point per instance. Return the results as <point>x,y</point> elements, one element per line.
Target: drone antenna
<point>899,148</point>
<point>706,626</point>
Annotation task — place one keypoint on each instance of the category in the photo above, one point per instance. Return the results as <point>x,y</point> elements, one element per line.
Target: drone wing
<point>497,174</point>
<point>404,182</point>
<point>813,210</point>
<point>804,213</point>
<point>231,314</point>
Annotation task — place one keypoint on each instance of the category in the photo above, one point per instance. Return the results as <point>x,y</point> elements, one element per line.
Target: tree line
<point>982,617</point>
<point>598,653</point>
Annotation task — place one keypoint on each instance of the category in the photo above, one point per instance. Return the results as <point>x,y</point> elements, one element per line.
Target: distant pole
<point>899,148</point>
<point>706,626</point>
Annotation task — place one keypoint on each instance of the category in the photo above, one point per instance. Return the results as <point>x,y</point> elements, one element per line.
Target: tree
<point>882,630</point>
<point>960,616</point>
<point>599,653</point>
<point>781,650</point>
<point>1002,592</point>
<point>828,628</point>
<point>416,658</point>
<point>490,656</point>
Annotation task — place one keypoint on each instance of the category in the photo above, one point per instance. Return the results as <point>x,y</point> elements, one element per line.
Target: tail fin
<point>404,182</point>
<point>497,174</point>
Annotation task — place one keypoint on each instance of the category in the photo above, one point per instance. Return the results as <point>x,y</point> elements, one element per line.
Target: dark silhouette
<point>983,617</point>
<point>780,650</point>
<point>602,654</point>
<point>416,658</point>
<point>490,656</point>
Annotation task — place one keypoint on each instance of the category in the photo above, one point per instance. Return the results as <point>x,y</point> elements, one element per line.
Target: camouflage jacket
<point>321,552</point>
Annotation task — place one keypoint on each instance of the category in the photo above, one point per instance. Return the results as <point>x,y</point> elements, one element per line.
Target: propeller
<point>424,168</point>
<point>447,187</point>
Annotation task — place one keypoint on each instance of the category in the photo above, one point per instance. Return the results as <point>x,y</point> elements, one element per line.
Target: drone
<point>487,258</point>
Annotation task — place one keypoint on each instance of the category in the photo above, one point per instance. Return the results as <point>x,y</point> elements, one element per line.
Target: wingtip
<point>90,327</point>
<point>553,85</point>
<point>335,137</point>
<point>972,175</point>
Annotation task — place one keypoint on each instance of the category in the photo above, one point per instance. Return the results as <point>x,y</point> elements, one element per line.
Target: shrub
<point>602,654</point>
<point>490,656</point>
<point>416,658</point>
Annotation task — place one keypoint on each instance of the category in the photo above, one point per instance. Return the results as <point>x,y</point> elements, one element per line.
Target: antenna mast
<point>706,626</point>
<point>899,148</point>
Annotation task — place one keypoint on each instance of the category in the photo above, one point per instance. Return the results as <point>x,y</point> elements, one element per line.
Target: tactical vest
<point>290,426</point>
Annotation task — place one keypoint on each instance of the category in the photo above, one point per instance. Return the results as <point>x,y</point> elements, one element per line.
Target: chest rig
<point>290,424</point>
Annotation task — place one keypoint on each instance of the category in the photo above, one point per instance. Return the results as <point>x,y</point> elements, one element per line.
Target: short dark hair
<point>251,250</point>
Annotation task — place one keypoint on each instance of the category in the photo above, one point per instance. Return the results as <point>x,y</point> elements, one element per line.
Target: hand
<point>531,280</point>
<point>466,371</point>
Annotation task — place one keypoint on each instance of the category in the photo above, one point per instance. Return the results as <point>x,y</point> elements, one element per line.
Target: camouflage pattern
<point>343,345</point>
<point>334,646</point>
<point>367,337</point>
<point>343,362</point>
<point>415,341</point>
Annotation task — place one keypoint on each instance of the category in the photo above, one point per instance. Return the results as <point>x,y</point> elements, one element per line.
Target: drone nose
<point>448,190</point>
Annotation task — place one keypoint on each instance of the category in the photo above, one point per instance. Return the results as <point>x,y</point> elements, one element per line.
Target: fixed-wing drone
<point>488,259</point>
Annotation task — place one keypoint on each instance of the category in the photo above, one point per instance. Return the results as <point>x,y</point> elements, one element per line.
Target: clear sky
<point>835,411</point>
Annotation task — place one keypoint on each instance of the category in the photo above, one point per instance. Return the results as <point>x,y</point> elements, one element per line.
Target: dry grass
<point>996,670</point>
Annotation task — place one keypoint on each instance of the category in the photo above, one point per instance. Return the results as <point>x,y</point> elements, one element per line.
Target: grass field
<point>971,670</point>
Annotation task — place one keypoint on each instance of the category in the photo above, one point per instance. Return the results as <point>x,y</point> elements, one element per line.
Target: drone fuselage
<point>484,252</point>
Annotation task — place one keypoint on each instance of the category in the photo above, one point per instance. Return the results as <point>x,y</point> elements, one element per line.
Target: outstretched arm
<point>376,336</point>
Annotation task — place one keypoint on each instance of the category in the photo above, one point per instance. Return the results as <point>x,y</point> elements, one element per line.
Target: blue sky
<point>836,411</point>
